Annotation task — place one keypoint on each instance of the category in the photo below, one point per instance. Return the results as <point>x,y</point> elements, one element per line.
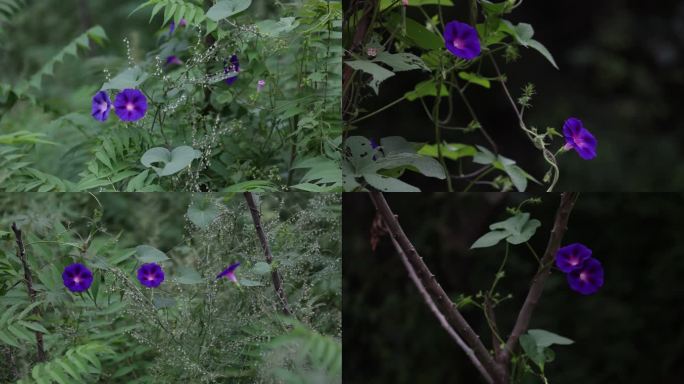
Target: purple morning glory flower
<point>181,23</point>
<point>579,138</point>
<point>101,106</point>
<point>150,275</point>
<point>260,85</point>
<point>229,272</point>
<point>374,145</point>
<point>173,59</point>
<point>571,257</point>
<point>77,277</point>
<point>461,40</point>
<point>130,105</point>
<point>588,278</point>
<point>233,67</point>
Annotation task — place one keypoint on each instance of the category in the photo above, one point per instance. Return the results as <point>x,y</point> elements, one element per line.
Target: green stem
<point>475,180</point>
<point>498,275</point>
<point>533,252</point>
<point>438,130</point>
<point>473,12</point>
<point>378,110</point>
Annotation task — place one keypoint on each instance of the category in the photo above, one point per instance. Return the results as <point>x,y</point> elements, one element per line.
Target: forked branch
<point>493,370</point>
<point>435,291</point>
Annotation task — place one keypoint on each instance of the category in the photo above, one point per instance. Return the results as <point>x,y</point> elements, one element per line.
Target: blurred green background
<point>621,72</point>
<point>631,331</point>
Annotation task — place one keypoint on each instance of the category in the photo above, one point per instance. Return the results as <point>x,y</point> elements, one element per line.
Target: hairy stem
<point>28,280</point>
<point>535,138</point>
<point>275,275</point>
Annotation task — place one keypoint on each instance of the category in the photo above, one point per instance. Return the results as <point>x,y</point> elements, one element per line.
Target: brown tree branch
<point>275,275</point>
<point>439,315</point>
<point>435,291</point>
<point>28,280</point>
<point>559,227</point>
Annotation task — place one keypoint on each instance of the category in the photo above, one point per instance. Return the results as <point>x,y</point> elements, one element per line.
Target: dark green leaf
<point>261,268</point>
<point>453,151</point>
<point>149,254</point>
<point>489,239</point>
<point>227,8</point>
<point>402,61</point>
<point>378,73</point>
<point>173,162</point>
<point>185,275</point>
<point>202,211</point>
<point>545,338</point>
<point>425,88</point>
<point>474,78</point>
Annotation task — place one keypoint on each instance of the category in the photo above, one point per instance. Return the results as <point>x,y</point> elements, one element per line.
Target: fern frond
<point>174,10</point>
<point>311,354</point>
<point>80,364</point>
<point>14,330</point>
<point>9,8</point>
<point>95,34</point>
<point>24,137</point>
<point>112,167</point>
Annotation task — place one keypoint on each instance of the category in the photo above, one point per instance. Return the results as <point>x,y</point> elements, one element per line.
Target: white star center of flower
<point>583,276</point>
<point>150,277</point>
<point>77,279</point>
<point>130,106</point>
<point>458,43</point>
<point>103,107</point>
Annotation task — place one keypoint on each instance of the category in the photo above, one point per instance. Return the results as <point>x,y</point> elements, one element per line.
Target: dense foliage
<point>458,56</point>
<point>191,328</point>
<point>229,95</point>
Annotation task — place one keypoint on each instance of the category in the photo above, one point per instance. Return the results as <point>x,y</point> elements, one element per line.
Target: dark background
<point>621,72</point>
<point>631,331</point>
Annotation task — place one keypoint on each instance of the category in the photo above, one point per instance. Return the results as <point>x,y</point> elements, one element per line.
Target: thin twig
<point>533,136</point>
<point>28,279</point>
<point>559,227</point>
<point>474,116</point>
<point>442,300</point>
<point>275,275</point>
<point>473,13</point>
<point>491,321</point>
<point>439,315</point>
